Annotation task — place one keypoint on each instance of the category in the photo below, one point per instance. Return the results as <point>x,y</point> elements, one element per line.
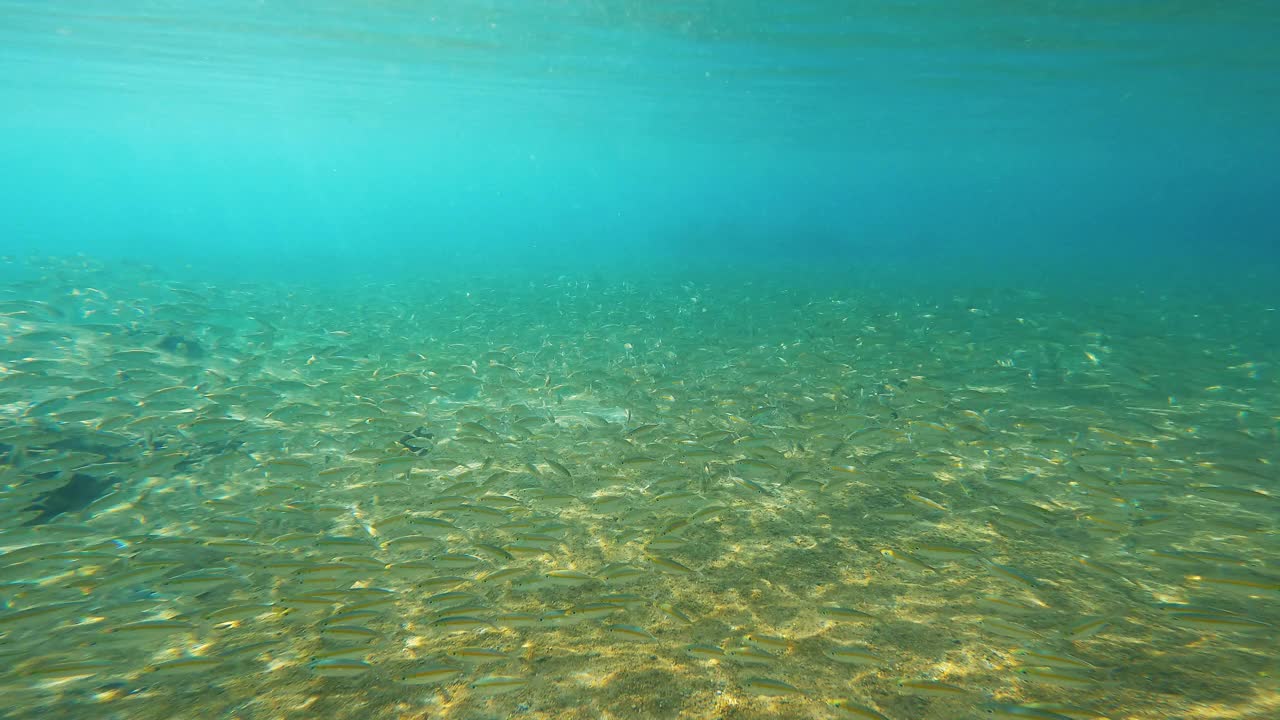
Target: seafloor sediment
<point>652,498</point>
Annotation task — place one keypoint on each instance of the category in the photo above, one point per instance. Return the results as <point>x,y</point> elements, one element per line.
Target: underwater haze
<point>622,360</point>
<point>394,134</point>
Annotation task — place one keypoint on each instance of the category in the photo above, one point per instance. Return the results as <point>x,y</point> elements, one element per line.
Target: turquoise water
<point>608,132</point>
<point>637,360</point>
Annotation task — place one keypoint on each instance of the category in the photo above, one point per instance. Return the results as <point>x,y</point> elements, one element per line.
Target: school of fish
<point>751,497</point>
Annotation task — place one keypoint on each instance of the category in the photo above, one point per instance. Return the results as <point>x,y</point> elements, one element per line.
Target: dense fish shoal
<point>693,497</point>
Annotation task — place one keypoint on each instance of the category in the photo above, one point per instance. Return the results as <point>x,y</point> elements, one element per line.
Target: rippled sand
<point>1104,459</point>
